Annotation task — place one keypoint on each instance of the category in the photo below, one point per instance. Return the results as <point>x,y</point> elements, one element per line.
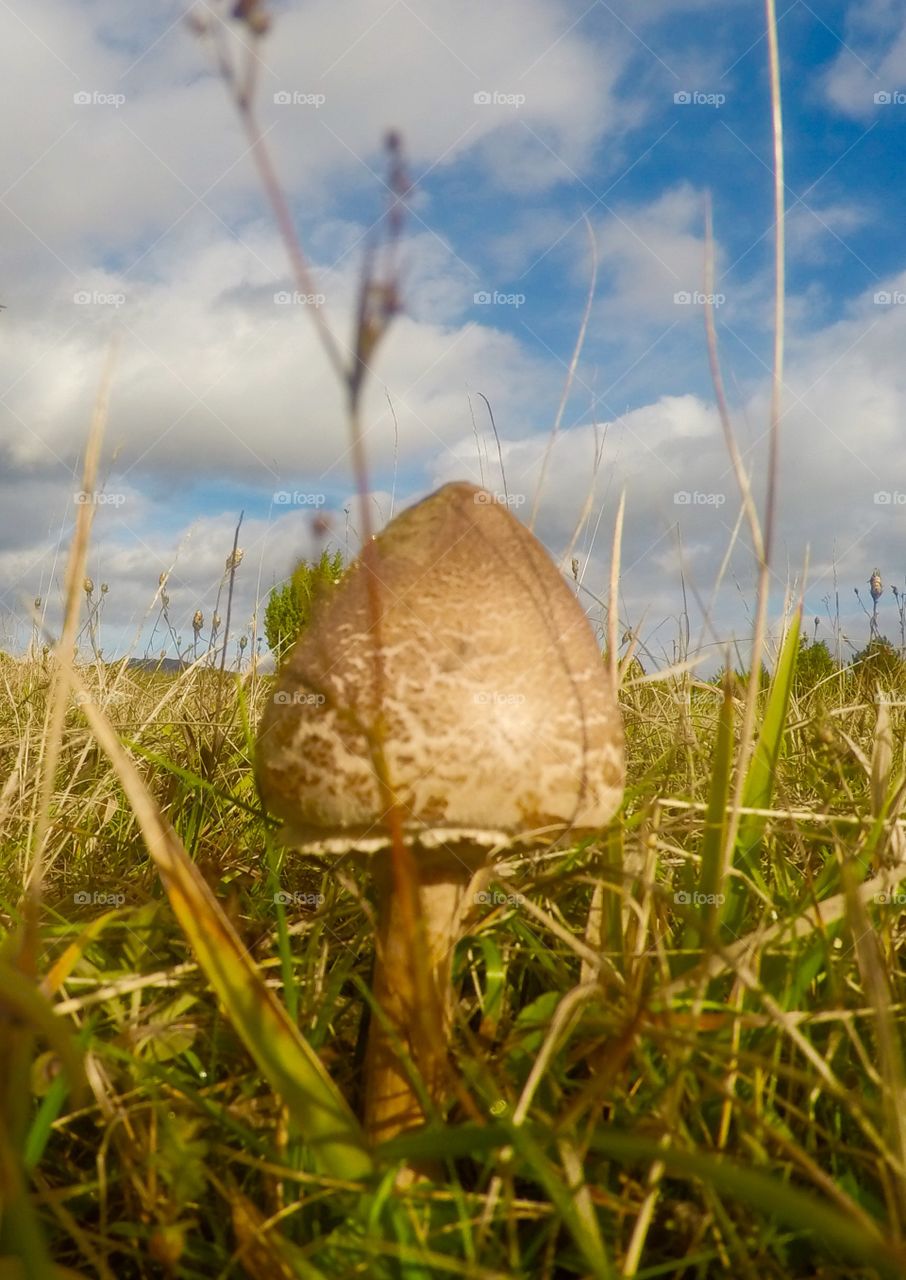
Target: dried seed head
<point>251,12</point>
<point>162,580</point>
<point>234,559</point>
<point>197,621</point>
<point>243,641</point>
<point>875,585</point>
<point>104,588</point>
<point>88,586</point>
<point>197,22</point>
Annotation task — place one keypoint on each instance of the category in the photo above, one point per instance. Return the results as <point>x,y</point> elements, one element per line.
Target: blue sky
<point>131,207</point>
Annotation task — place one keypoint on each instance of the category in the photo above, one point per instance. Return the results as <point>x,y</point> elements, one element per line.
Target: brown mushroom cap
<point>497,720</point>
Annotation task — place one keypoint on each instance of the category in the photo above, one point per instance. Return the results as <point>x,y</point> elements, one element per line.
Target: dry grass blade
<point>75,571</point>
<point>27,1009</point>
<point>613,602</point>
<point>890,1054</point>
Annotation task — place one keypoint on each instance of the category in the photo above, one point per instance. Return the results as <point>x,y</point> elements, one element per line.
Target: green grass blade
<point>47,1113</point>
<point>759,784</point>
<point>771,1196</point>
<point>700,922</point>
<point>550,1178</point>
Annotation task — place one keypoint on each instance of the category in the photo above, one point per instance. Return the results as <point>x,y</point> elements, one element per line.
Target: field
<point>650,1091</point>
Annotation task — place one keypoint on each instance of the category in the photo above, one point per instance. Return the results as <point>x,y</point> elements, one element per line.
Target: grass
<point>648,1095</point>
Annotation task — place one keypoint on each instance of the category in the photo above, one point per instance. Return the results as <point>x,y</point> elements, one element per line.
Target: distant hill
<point>166,666</point>
<point>169,666</point>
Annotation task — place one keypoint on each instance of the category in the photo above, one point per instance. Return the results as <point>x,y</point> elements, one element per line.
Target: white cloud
<point>157,133</point>
<point>815,230</point>
<point>650,253</point>
<point>420,70</point>
<point>868,75</point>
<point>216,378</point>
<point>139,213</point>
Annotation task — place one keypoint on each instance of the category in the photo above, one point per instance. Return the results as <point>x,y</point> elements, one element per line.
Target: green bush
<point>815,663</point>
<point>879,663</point>
<point>289,607</point>
<point>741,678</point>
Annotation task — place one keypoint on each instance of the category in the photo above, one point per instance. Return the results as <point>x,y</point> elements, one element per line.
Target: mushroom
<point>448,702</point>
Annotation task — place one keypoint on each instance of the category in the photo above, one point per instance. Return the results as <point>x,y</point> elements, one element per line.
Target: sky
<point>551,147</point>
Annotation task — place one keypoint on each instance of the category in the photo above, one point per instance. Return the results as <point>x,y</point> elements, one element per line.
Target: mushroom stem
<point>392,1104</point>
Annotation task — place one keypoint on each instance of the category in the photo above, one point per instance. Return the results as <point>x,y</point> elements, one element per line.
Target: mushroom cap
<point>498,722</point>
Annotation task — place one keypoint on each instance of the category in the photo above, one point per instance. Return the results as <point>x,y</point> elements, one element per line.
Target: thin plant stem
<point>571,372</point>
<point>762,540</point>
<point>497,438</point>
